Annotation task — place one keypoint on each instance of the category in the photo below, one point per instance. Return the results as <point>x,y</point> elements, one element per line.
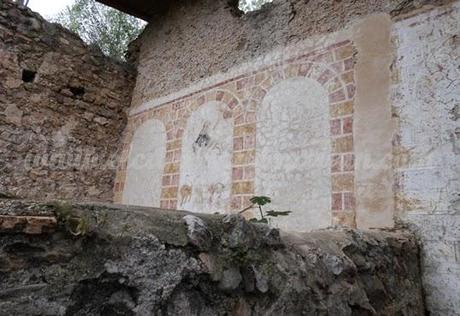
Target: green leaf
<point>273,213</point>
<point>260,200</point>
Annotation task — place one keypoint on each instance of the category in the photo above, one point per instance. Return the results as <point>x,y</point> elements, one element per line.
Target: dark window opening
<point>77,91</point>
<point>28,75</point>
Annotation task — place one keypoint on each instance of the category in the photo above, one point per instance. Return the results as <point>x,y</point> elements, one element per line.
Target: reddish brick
<point>227,114</point>
<point>166,180</point>
<point>251,117</point>
<point>170,135</point>
<point>238,143</point>
<point>344,52</point>
<point>239,119</point>
<point>348,162</point>
<point>179,133</point>
<point>303,69</point>
<point>164,204</point>
<point>336,201</point>
<point>170,156</point>
<point>201,100</point>
<point>351,91</point>
<point>325,76</point>
<point>339,66</point>
<point>348,125</point>
<point>335,127</point>
<point>348,63</point>
<point>27,224</point>
<point>237,173</point>
<point>336,164</point>
<point>337,96</point>
<point>233,103</point>
<point>177,155</point>
<point>240,84</point>
<point>249,172</point>
<point>250,142</point>
<point>173,204</point>
<point>260,94</point>
<point>349,201</point>
<point>236,203</point>
<point>243,187</point>
<point>219,95</point>
<point>175,180</point>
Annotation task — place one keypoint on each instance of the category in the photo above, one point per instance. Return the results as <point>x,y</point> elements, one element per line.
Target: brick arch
<point>242,142</point>
<point>324,74</point>
<point>132,126</point>
<point>342,155</point>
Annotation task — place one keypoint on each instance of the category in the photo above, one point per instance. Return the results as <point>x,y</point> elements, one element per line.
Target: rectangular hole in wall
<point>28,75</point>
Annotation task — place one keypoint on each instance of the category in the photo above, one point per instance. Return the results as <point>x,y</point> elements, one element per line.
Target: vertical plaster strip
<point>373,129</point>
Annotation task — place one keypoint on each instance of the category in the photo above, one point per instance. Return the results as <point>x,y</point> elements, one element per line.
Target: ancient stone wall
<point>207,37</point>
<point>343,112</point>
<point>62,111</point>
<point>140,261</point>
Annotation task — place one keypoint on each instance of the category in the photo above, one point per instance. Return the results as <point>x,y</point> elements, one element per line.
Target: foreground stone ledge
<point>27,224</point>
<point>146,261</point>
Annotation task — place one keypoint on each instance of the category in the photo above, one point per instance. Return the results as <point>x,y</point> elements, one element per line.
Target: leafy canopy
<point>102,26</point>
<point>252,5</point>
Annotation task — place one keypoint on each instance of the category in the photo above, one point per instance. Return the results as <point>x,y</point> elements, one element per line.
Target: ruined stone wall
<point>206,37</point>
<point>62,111</point>
<point>343,112</point>
<point>140,261</point>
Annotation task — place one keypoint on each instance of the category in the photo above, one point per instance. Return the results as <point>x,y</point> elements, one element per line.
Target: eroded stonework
<point>142,261</point>
<point>62,111</point>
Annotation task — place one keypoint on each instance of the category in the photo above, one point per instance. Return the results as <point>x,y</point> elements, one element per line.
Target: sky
<point>49,8</point>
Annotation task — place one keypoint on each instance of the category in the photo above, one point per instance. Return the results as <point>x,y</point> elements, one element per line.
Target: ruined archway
<point>293,152</point>
<point>206,164</point>
<point>145,165</point>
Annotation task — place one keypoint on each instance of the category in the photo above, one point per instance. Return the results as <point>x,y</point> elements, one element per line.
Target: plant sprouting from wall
<point>74,224</point>
<point>259,202</point>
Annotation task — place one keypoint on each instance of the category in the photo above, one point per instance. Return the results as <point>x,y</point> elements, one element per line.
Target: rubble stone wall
<point>62,111</point>
<point>141,261</point>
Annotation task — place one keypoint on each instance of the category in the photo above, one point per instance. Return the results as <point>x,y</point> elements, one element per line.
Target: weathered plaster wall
<point>426,100</point>
<point>293,152</point>
<point>145,165</point>
<point>280,126</point>
<point>62,111</point>
<point>356,126</point>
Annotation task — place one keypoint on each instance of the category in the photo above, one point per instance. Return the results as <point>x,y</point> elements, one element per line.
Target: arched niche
<point>145,165</point>
<point>293,153</point>
<point>206,164</point>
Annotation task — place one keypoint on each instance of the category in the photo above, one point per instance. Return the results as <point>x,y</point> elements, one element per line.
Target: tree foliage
<point>252,5</point>
<point>102,26</point>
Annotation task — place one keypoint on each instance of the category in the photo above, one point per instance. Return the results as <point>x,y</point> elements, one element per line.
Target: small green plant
<point>74,224</point>
<point>260,201</point>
